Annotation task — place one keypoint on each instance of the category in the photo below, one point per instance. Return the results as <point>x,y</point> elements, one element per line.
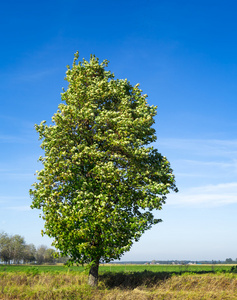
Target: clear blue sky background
<point>184,55</point>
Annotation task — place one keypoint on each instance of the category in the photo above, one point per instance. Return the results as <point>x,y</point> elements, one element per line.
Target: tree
<point>41,254</point>
<point>5,248</point>
<point>100,181</point>
<point>12,248</point>
<point>18,248</point>
<point>50,256</point>
<point>29,253</point>
<point>229,260</point>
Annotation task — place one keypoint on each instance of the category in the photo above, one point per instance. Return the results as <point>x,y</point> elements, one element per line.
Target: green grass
<point>40,268</point>
<point>117,268</point>
<point>166,268</point>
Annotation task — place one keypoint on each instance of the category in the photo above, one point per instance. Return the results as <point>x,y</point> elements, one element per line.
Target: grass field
<point>119,282</point>
<point>118,268</point>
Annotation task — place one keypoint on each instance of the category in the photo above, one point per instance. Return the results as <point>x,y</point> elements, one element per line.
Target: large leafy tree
<point>100,180</point>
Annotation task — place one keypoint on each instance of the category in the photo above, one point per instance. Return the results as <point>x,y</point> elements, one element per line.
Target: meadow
<point>119,282</point>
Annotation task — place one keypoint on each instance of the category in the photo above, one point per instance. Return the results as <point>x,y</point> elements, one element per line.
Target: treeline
<point>14,250</point>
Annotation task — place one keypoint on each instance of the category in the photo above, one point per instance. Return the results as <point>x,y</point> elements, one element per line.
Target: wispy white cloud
<point>6,199</point>
<point>4,138</point>
<point>208,163</point>
<point>16,130</point>
<point>200,161</point>
<point>19,208</point>
<point>201,147</point>
<point>6,175</point>
<point>208,195</point>
<point>35,76</point>
<point>16,120</point>
<point>205,170</point>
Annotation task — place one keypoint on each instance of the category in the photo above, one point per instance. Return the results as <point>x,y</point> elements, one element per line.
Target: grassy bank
<point>63,283</point>
<point>72,286</point>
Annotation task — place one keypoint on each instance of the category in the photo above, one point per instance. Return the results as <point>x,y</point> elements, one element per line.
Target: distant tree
<point>5,248</point>
<point>12,248</point>
<point>45,255</point>
<point>29,253</point>
<point>50,256</point>
<point>18,248</point>
<point>61,259</point>
<point>40,254</point>
<point>100,180</point>
<point>229,261</point>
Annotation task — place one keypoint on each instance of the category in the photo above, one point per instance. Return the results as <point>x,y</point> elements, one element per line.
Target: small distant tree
<point>12,248</point>
<point>50,256</point>
<point>41,254</point>
<point>6,253</point>
<point>100,180</point>
<point>29,253</point>
<point>18,248</point>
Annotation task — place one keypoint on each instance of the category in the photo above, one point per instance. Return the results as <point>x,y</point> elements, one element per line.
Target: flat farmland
<point>116,268</point>
<point>165,268</point>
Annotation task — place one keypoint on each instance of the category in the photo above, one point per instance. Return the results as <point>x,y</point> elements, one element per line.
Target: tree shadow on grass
<point>132,280</point>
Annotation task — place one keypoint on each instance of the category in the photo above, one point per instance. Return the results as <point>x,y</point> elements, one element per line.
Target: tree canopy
<point>100,180</point>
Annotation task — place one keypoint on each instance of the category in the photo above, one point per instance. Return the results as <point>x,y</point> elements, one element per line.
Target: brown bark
<point>93,274</point>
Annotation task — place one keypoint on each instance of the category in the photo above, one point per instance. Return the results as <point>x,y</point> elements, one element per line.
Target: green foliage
<point>233,269</point>
<point>100,180</point>
<point>12,248</point>
<point>229,260</point>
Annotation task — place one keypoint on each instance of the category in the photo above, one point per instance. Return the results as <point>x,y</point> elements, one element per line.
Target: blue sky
<point>183,54</point>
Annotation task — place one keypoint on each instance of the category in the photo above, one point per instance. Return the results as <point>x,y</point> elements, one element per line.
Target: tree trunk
<point>93,274</point>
